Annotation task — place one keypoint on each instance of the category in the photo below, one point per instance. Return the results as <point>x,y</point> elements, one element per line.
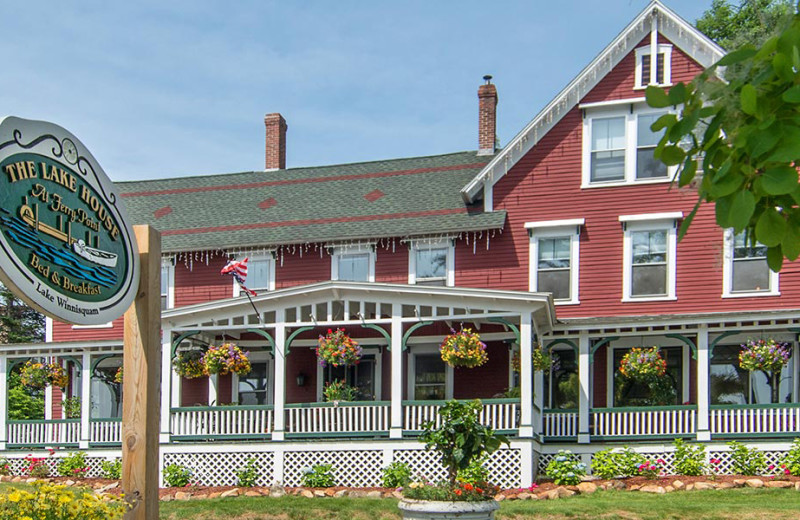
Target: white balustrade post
<point>396,410</point>
<point>213,394</point>
<point>279,420</point>
<point>86,400</point>
<point>584,390</point>
<point>168,390</point>
<point>703,387</point>
<point>3,401</point>
<point>526,376</point>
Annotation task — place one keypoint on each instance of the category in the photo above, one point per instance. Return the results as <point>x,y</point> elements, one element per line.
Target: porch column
<point>3,401</point>
<point>213,394</point>
<point>167,389</point>
<point>86,400</point>
<point>279,422</point>
<point>396,412</point>
<point>525,376</point>
<point>48,402</point>
<point>584,389</point>
<point>703,398</point>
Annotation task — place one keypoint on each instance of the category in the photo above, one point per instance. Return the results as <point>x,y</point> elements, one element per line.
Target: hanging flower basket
<point>35,374</point>
<point>337,348</point>
<point>189,365</point>
<point>541,360</point>
<point>767,355</point>
<point>118,375</point>
<point>464,349</point>
<point>643,364</point>
<point>226,359</point>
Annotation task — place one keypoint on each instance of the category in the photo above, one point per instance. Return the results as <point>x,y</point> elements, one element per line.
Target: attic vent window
<point>644,66</point>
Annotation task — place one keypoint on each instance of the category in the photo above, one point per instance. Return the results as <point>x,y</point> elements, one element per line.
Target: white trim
<point>661,223</point>
<point>269,257</point>
<point>413,352</point>
<point>613,103</point>
<point>652,217</point>
<point>338,252</point>
<point>416,245</point>
<point>677,30</point>
<point>261,356</point>
<point>376,375</point>
<point>727,273</point>
<point>666,50</point>
<point>108,325</point>
<point>557,228</point>
<point>48,329</point>
<point>628,343</point>
<point>168,263</point>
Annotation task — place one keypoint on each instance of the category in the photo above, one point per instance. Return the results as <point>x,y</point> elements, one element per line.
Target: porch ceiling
<point>337,303</point>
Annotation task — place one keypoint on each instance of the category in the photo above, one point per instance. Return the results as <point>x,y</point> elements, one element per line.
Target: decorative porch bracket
<point>101,359</point>
<point>599,344</point>
<point>508,324</point>
<point>687,341</point>
<point>292,336</point>
<point>382,331</point>
<point>181,337</point>
<point>264,334</point>
<point>567,342</point>
<point>410,331</point>
<point>720,338</point>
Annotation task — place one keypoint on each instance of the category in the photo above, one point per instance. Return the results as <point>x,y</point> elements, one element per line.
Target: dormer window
<point>648,73</point>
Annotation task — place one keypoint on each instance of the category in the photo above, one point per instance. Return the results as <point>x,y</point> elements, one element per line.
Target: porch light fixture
<point>301,379</point>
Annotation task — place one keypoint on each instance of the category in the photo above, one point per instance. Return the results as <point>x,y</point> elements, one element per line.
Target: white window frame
<point>338,252</point>
<point>450,271</point>
<point>168,264</point>
<point>641,74</point>
<point>416,350</point>
<point>727,273</point>
<point>650,222</point>
<point>628,344</point>
<point>376,351</point>
<point>259,356</point>
<point>631,109</point>
<point>237,290</point>
<point>550,229</point>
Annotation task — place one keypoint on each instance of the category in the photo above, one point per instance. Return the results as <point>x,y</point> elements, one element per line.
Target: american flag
<point>239,272</point>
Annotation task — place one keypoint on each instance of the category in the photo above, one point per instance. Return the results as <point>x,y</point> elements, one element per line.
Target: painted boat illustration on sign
<point>80,248</point>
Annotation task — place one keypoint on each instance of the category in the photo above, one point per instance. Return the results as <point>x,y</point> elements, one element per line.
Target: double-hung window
<point>618,144</point>
<point>432,263</point>
<point>649,256</point>
<point>745,270</point>
<point>553,259</point>
<point>260,274</point>
<point>353,263</point>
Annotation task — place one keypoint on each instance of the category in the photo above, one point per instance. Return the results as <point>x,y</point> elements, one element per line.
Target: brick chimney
<point>276,142</point>
<point>487,117</point>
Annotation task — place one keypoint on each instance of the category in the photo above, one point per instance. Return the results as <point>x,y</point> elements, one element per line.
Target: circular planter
<point>433,510</point>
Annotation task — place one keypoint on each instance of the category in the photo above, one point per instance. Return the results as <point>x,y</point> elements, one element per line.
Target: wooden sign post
<point>141,383</point>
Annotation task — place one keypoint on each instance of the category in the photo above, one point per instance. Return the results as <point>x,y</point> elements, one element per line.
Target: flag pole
<point>247,292</point>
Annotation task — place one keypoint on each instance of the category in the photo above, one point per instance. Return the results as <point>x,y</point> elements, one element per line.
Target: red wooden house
<point>564,238</point>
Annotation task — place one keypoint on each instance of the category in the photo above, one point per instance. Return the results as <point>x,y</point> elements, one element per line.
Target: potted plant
<point>463,349</point>
<point>226,359</point>
<point>336,348</point>
<point>339,390</point>
<point>38,375</point>
<point>461,440</point>
<point>768,356</point>
<point>188,364</point>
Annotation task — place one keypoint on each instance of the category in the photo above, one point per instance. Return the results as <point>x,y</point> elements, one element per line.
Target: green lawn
<point>739,504</point>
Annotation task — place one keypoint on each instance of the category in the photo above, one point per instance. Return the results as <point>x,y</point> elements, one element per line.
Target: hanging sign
<point>67,247</point>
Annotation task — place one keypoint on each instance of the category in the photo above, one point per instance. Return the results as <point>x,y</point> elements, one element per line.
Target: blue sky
<point>160,89</point>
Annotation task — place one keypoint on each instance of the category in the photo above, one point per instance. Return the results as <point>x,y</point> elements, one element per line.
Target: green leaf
<point>656,97</point>
<point>672,155</point>
<point>688,172</point>
<point>722,210</point>
<point>779,180</point>
<point>782,67</point>
<point>688,221</point>
<point>749,99</point>
<point>792,95</point>
<point>775,258</point>
<point>737,56</point>
<point>742,207</point>
<point>790,245</point>
<point>677,94</point>
<point>770,228</point>
<point>665,121</point>
<point>763,141</point>
<point>725,185</point>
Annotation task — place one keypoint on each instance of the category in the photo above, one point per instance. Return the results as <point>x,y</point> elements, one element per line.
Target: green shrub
<point>112,469</point>
<point>5,467</point>
<point>475,473</point>
<point>37,467</point>
<point>177,475</point>
<point>396,474</point>
<point>73,465</point>
<point>690,459</point>
<point>792,459</point>
<point>320,475</point>
<point>72,407</point>
<point>565,469</point>
<point>249,474</point>
<point>616,462</point>
<point>746,461</point>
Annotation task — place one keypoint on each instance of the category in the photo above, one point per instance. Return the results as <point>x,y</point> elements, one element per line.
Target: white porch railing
<point>54,432</point>
<point>367,417</point>
<point>222,421</point>
<point>663,421</point>
<point>755,419</point>
<point>501,414</point>
<point>105,431</point>
<point>560,423</point>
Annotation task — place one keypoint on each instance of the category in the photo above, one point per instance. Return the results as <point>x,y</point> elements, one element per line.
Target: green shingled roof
<point>381,199</point>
